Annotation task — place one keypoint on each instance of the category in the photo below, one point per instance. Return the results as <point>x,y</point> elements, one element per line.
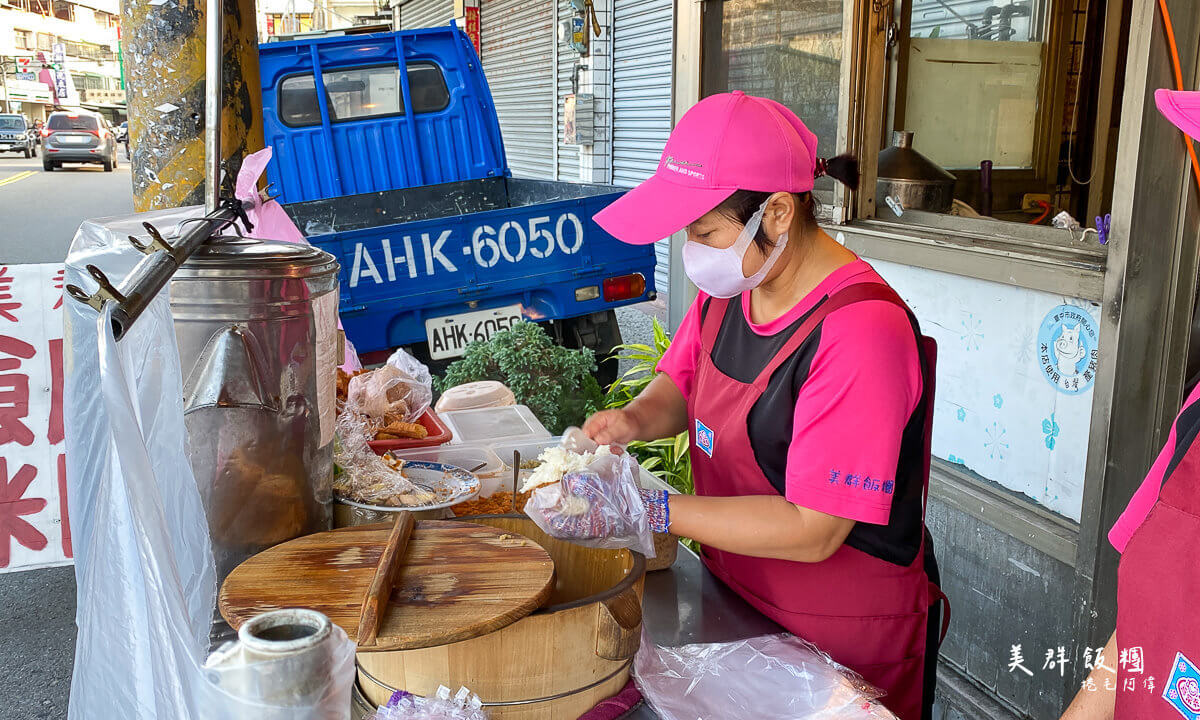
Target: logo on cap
<point>684,167</point>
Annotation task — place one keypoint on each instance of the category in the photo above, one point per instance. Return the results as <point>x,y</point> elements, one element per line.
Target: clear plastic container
<point>487,426</point>
<point>478,459</point>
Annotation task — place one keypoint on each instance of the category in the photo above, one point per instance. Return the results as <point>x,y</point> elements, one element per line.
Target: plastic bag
<point>405,706</point>
<point>363,476</point>
<point>420,382</point>
<point>271,221</point>
<point>599,507</point>
<point>781,676</point>
<point>146,583</point>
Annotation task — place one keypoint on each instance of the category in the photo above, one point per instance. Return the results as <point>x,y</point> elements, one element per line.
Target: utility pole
<point>167,108</point>
<point>4,80</point>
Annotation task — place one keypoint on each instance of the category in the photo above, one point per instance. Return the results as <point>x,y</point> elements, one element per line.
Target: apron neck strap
<point>712,316</point>
<point>857,292</point>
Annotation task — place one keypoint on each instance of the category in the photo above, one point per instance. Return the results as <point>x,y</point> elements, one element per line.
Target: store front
<point>1050,408</point>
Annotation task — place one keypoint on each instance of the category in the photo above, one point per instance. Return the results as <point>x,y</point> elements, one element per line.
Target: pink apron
<point>1158,591</point>
<point>868,614</point>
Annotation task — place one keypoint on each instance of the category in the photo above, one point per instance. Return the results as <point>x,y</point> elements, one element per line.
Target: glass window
<point>974,79</point>
<point>23,39</point>
<point>45,42</point>
<point>786,50</point>
<point>12,122</point>
<point>64,121</point>
<point>363,92</point>
<point>358,93</point>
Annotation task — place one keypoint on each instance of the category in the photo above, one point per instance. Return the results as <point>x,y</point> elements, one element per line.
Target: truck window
<point>360,93</point>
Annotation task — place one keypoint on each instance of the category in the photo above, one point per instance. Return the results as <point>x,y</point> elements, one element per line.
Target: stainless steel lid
<point>902,162</point>
<point>233,256</point>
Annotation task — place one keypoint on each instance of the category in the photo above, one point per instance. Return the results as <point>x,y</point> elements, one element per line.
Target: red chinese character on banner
<point>14,392</point>
<point>7,304</point>
<point>64,526</point>
<point>55,432</point>
<point>14,504</point>
<point>58,285</point>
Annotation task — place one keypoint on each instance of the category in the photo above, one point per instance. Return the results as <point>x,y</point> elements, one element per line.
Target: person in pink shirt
<point>807,389</point>
<point>1150,668</point>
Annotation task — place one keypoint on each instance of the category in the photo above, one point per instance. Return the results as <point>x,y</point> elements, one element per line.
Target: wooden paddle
<point>376,600</point>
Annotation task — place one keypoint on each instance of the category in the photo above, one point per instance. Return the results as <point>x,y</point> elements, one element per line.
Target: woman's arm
<point>1096,702</point>
<point>658,412</point>
<point>766,526</point>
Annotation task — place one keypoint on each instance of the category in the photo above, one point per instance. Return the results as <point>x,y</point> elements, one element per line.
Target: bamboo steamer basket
<point>553,664</point>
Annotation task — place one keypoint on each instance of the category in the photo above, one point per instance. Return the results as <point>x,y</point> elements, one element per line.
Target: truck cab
<point>388,154</point>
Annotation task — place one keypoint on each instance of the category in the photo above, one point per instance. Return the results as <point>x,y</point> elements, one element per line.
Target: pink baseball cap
<point>724,143</point>
<point>1181,107</point>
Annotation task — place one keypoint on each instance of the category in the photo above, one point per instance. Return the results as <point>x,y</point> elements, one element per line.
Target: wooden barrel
<point>556,663</point>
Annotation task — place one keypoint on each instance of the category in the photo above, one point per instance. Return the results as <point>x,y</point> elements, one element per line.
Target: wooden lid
<point>457,580</point>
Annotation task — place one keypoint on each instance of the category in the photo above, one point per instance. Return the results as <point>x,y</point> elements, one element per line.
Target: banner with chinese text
<point>34,531</point>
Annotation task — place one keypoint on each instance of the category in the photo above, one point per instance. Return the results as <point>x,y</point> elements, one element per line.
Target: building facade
<point>88,36</point>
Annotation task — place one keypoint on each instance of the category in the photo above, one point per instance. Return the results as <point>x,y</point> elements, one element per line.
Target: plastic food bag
<point>363,476</point>
<point>597,507</point>
<point>420,382</point>
<point>781,676</point>
<point>405,706</point>
<point>146,583</point>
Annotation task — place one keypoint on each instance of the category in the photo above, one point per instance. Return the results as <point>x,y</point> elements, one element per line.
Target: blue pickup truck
<point>402,176</point>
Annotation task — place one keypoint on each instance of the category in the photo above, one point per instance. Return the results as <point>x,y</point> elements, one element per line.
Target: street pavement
<point>40,211</point>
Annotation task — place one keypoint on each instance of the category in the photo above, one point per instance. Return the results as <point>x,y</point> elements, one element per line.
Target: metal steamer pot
<point>256,324</point>
<point>912,179</point>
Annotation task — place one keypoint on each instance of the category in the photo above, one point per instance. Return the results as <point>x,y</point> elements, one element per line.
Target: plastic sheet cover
<point>781,676</point>
<point>143,558</point>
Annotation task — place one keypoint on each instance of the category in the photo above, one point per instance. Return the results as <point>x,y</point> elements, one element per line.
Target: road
<point>40,211</point>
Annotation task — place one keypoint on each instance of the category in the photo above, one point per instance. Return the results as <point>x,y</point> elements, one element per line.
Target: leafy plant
<point>556,383</point>
<point>667,457</point>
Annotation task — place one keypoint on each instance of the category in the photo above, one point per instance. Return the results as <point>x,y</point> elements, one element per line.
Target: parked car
<point>16,135</point>
<point>123,132</point>
<point>78,137</point>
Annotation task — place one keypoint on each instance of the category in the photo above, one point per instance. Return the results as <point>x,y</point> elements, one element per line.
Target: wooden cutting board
<point>457,580</point>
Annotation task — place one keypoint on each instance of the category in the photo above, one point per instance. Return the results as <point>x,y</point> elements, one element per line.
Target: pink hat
<point>725,143</point>
<point>1181,107</point>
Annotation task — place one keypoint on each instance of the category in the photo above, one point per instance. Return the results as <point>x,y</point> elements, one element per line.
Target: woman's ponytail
<point>843,168</point>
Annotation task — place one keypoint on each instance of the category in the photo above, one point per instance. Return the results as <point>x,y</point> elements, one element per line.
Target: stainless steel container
<point>914,180</point>
<point>256,324</point>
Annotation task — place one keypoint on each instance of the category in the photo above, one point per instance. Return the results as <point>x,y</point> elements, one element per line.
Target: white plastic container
<point>478,459</point>
<point>475,395</point>
<point>488,426</point>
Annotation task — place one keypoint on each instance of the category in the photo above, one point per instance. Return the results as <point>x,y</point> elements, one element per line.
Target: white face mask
<point>718,271</point>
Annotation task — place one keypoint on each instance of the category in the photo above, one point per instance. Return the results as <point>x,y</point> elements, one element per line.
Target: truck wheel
<point>598,331</point>
<point>33,150</point>
<point>27,153</point>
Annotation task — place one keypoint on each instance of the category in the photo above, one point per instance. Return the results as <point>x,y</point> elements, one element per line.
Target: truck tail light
<point>624,287</point>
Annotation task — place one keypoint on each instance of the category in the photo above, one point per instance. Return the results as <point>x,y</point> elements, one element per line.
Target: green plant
<point>556,383</point>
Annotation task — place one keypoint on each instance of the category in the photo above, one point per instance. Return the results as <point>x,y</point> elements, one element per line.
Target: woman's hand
<point>613,426</point>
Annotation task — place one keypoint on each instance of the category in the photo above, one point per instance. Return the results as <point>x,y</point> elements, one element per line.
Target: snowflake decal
<point>997,442</point>
<point>972,332</point>
<point>962,415</point>
<point>1051,430</point>
<point>998,401</point>
<point>14,504</point>
<point>1024,344</point>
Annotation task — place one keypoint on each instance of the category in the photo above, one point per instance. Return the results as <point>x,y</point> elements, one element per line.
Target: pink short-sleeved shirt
<point>850,391</point>
<point>1183,430</point>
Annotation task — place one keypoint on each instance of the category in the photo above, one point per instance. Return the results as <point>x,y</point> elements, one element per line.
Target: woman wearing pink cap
<point>801,378</point>
<point>1150,668</point>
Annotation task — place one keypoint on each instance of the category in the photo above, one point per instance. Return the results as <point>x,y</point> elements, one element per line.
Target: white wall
<point>84,29</point>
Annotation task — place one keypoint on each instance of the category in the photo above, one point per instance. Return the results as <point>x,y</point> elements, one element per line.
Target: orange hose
<point>1162,4</point>
<point>1045,211</point>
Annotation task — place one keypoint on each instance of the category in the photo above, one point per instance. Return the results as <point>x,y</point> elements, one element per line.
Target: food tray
<point>487,426</point>
<point>452,484</point>
<point>468,457</point>
<point>439,434</point>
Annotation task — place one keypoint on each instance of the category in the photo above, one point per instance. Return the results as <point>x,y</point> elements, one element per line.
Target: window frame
<point>883,89</point>
<point>408,67</point>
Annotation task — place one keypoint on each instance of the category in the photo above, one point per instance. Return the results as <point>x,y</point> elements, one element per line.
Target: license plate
<point>449,336</point>
<point>72,140</point>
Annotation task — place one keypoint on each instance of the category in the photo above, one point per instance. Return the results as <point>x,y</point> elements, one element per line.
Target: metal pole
<point>213,55</point>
